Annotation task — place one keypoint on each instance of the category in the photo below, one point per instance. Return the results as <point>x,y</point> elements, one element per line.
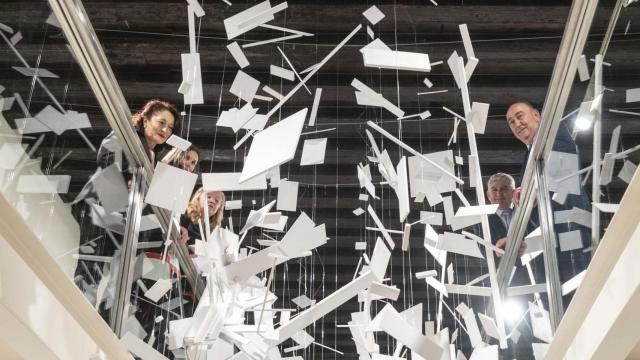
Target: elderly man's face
<point>500,192</point>
<point>523,121</point>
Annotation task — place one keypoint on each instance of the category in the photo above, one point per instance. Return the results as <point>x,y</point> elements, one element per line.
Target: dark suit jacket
<point>570,262</point>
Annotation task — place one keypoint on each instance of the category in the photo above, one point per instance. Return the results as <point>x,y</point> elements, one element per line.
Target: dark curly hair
<point>151,108</point>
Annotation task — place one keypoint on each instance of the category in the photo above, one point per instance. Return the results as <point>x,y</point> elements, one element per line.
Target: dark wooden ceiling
<point>516,42</point>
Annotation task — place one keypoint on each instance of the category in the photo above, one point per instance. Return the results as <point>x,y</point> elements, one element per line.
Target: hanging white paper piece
<point>238,54</point>
<point>402,190</point>
<point>39,72</point>
<point>606,208</point>
<point>575,214</point>
<point>396,60</point>
<point>458,244</point>
<point>170,188</point>
<point>314,108</point>
<point>53,119</point>
<point>178,142</point>
<point>466,40</point>
<point>540,323</point>
<point>287,195</point>
<point>470,321</point>
<point>431,218</point>
<point>244,86</point>
<point>238,118</point>
<point>141,349</point>
<point>43,184</point>
<point>366,96</point>
<point>272,92</point>
<point>478,116</point>
<point>281,72</point>
<point>489,325</point>
<point>633,95</point>
<point>571,240</point>
<point>191,75</point>
<point>251,18</point>
<point>313,152</point>
<point>429,180</point>
<point>583,69</point>
<point>373,14</point>
<point>393,324</point>
<point>158,290</point>
<point>231,182</point>
<point>274,145</point>
<point>627,171</point>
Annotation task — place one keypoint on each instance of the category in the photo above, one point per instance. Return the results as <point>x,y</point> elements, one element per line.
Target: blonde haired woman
<point>196,213</point>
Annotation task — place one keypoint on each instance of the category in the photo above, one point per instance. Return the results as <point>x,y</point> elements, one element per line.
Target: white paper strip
<point>238,55</point>
<point>231,182</point>
<point>314,108</point>
<point>583,69</point>
<point>633,95</point>
<point>281,72</point>
<point>397,60</point>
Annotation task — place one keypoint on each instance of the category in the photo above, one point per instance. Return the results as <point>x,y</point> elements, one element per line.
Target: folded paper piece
<point>366,96</point>
<point>158,290</point>
<point>384,291</point>
<point>240,118</point>
<point>302,236</point>
<point>428,179</point>
<point>191,75</point>
<point>170,188</point>
<point>440,287</point>
<point>478,116</point>
<point>257,216</point>
<point>627,171</point>
<point>231,182</point>
<point>303,301</point>
<point>458,244</point>
<point>325,306</point>
<point>287,195</point>
<point>313,152</point>
<point>540,323</point>
<point>52,118</point>
<point>575,215</point>
<point>397,60</point>
<point>470,321</point>
<point>274,145</point>
<point>373,14</point>
<point>393,324</point>
<point>39,72</point>
<point>244,86</point>
<point>607,208</point>
<point>384,231</point>
<point>251,18</point>
<point>282,73</point>
<point>489,326</point>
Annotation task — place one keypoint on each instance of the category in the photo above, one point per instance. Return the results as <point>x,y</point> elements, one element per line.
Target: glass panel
<point>61,163</point>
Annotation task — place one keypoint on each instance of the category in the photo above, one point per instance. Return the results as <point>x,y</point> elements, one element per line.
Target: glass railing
<point>85,193</point>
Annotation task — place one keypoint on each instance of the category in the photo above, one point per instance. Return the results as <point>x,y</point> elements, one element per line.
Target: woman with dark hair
<point>154,123</point>
<point>185,160</point>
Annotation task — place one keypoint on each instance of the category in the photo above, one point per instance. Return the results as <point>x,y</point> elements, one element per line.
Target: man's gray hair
<point>499,176</point>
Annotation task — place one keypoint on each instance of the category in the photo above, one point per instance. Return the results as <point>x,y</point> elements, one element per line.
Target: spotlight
<point>583,123</point>
<point>512,311</point>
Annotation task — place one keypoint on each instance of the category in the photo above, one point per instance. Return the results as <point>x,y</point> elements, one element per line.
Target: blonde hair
<point>194,209</point>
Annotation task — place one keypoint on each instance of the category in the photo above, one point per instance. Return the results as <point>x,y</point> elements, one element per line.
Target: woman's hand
<point>184,235</point>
